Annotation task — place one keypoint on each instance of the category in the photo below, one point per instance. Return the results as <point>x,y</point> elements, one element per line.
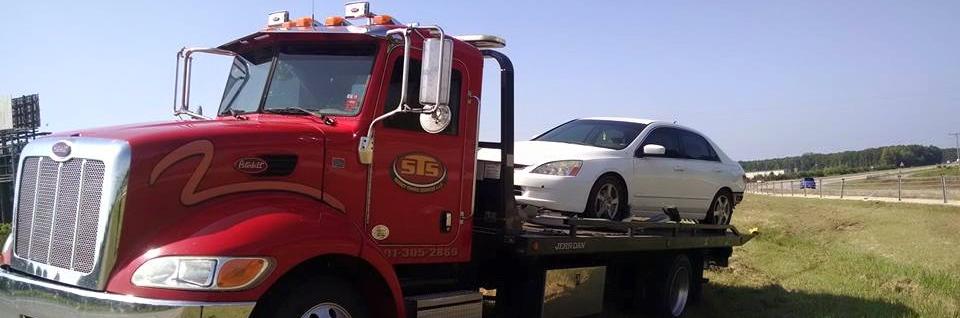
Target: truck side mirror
<point>435,72</point>
<point>435,84</point>
<point>654,150</point>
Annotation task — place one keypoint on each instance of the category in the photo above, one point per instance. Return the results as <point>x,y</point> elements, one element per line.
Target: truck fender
<point>287,236</point>
<point>371,254</point>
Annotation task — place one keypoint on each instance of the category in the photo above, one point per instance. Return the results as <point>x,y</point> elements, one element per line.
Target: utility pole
<point>957,136</point>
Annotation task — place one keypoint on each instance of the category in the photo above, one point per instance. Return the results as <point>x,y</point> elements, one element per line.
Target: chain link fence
<point>944,187</point>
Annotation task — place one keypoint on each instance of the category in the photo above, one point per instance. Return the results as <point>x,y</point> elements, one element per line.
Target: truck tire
<point>721,209</point>
<point>672,287</point>
<point>320,297</point>
<point>608,199</point>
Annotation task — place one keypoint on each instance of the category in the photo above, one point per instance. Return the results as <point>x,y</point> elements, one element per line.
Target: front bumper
<point>23,296</point>
<point>562,194</point>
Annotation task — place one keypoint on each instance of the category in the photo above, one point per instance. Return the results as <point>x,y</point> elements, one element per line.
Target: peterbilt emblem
<point>250,165</point>
<point>418,172</point>
<point>61,149</point>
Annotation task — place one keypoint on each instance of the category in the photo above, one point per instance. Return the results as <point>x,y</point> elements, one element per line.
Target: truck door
<point>417,176</point>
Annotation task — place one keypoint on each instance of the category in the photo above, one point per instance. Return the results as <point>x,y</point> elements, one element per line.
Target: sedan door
<point>657,179</point>
<point>704,175</point>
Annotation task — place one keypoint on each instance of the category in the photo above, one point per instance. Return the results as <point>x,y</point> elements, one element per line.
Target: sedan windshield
<point>597,133</point>
<point>311,79</point>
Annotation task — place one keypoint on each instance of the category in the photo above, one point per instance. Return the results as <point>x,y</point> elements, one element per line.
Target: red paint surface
<point>292,227</point>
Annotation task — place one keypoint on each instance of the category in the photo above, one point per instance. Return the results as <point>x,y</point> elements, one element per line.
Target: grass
<point>834,258</point>
<point>4,231</point>
<point>937,172</point>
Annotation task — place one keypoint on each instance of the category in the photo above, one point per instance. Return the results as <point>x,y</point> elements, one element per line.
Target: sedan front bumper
<point>23,296</point>
<point>557,193</point>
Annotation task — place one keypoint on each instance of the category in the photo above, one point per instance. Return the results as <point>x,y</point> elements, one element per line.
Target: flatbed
<point>538,241</point>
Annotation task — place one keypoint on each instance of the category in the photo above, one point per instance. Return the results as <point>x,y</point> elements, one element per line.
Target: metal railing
<point>944,188</point>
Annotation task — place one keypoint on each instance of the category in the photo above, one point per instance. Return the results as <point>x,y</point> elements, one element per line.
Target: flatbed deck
<point>576,236</point>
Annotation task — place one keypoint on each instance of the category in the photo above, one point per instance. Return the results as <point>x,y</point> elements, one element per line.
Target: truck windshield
<point>598,133</point>
<point>317,80</point>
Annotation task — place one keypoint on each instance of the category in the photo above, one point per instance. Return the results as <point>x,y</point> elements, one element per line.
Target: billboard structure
<point>19,121</point>
<point>25,111</point>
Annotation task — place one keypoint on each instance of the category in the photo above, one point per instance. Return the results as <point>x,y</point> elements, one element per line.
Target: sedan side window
<point>666,137</point>
<point>696,147</point>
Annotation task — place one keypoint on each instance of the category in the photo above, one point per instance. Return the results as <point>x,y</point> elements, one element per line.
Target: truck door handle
<point>718,170</point>
<point>678,168</point>
<point>446,221</point>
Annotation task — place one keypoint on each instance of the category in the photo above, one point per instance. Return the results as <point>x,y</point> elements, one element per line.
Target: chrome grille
<point>58,212</point>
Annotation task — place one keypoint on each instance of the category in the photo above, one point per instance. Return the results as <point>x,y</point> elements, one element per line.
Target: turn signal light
<point>240,272</point>
<point>334,21</point>
<point>382,20</point>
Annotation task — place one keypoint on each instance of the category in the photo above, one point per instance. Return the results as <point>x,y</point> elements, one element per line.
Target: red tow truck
<point>338,179</point>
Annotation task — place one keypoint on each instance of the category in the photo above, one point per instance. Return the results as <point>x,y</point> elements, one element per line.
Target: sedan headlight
<point>192,273</point>
<point>560,168</point>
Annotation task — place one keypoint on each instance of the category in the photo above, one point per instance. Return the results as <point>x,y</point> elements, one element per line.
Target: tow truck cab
<point>283,181</point>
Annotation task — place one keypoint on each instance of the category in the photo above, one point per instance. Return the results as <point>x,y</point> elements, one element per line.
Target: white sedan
<point>615,168</point>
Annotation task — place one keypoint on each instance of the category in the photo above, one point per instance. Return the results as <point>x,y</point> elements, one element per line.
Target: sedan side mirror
<point>654,150</point>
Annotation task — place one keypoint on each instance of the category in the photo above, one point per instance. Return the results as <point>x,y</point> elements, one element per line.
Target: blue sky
<point>761,78</point>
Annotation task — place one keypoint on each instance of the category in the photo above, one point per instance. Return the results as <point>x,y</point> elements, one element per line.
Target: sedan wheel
<point>721,210</point>
<point>607,199</point>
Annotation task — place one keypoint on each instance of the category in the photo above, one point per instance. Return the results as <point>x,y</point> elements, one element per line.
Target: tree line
<point>818,165</point>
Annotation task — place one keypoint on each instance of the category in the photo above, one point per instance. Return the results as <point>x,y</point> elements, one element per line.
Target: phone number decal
<point>420,252</point>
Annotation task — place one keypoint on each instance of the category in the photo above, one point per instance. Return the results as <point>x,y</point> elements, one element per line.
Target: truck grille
<point>58,212</point>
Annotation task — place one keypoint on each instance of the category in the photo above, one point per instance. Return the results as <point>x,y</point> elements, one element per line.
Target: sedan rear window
<point>696,147</point>
<point>598,133</point>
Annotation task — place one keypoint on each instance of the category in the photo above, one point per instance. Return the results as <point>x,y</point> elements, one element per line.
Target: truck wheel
<point>607,200</point>
<point>672,287</point>
<point>721,209</point>
<point>323,297</point>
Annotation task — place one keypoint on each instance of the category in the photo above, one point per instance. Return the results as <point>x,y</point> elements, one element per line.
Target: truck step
<point>456,304</point>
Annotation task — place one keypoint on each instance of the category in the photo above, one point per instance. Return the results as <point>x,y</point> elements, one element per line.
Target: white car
<point>615,168</point>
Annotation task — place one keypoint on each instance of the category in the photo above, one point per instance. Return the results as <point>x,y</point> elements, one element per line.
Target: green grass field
<point>834,258</point>
<point>936,172</point>
<point>4,231</point>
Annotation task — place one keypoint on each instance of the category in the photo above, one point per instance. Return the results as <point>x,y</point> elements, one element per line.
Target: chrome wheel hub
<point>721,210</point>
<point>326,310</point>
<point>607,202</point>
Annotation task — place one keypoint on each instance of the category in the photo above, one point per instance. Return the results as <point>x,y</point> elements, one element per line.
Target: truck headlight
<point>212,273</point>
<point>560,168</point>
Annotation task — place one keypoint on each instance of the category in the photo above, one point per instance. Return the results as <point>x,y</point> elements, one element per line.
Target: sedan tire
<point>608,199</point>
<point>721,209</point>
